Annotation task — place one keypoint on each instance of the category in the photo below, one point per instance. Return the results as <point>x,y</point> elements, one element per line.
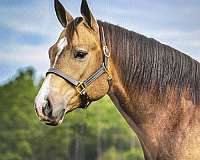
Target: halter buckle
<point>108,73</point>
<point>81,88</point>
<point>106,51</point>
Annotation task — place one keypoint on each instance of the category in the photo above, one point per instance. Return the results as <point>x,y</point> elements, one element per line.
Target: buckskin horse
<point>155,87</point>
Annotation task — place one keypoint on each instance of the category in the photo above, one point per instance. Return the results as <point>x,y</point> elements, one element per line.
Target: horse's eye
<point>80,54</point>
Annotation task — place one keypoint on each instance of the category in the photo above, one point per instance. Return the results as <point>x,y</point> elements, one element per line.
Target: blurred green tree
<point>96,133</point>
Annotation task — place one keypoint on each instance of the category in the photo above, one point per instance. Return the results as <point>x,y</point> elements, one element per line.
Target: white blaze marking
<point>61,45</point>
<point>44,90</point>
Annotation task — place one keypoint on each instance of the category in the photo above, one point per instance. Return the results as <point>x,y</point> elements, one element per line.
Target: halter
<point>82,85</point>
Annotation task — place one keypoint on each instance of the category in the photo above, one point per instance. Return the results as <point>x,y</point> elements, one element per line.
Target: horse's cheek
<point>99,89</point>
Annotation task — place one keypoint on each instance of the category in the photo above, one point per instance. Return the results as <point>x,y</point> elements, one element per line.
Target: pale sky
<point>29,27</point>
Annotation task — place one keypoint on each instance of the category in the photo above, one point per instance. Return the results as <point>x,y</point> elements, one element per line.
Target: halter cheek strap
<point>82,85</point>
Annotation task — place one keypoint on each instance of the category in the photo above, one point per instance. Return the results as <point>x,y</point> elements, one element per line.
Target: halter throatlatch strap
<point>82,85</point>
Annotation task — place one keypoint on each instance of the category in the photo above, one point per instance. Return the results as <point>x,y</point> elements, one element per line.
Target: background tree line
<point>98,133</point>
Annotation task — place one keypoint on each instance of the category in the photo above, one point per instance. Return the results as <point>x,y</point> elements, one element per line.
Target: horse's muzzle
<point>44,112</point>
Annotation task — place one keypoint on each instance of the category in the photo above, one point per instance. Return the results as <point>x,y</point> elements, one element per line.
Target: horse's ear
<point>88,17</point>
<point>63,16</point>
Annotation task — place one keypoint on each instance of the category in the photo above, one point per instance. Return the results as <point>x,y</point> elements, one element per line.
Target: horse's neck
<point>155,124</point>
<point>163,124</point>
<point>127,106</point>
<point>122,102</point>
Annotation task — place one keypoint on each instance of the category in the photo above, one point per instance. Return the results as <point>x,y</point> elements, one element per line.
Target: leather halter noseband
<point>82,85</point>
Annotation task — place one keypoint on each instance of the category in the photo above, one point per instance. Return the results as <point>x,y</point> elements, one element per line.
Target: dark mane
<point>147,64</point>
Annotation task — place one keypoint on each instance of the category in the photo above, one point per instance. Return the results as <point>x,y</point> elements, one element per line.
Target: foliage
<point>96,133</point>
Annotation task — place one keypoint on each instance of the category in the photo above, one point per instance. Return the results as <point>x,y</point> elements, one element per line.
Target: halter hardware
<point>109,74</point>
<point>81,86</point>
<point>106,51</point>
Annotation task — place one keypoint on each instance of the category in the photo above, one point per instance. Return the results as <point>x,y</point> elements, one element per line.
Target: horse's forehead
<point>62,35</point>
<point>62,41</point>
<point>80,29</point>
<point>75,34</point>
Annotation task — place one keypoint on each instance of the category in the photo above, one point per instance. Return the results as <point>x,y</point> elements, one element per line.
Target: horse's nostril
<point>47,110</point>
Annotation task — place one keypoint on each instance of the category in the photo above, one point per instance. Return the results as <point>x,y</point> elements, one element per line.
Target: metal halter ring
<point>81,88</point>
<point>106,51</point>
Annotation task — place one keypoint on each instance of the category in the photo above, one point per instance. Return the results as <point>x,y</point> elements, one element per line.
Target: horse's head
<point>77,54</point>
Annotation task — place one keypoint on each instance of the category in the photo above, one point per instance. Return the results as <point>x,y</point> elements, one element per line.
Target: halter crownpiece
<point>82,85</point>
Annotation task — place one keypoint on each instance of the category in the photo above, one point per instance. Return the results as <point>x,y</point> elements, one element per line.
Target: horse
<point>155,87</point>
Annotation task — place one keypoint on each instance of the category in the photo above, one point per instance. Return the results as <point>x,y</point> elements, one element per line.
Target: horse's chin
<point>52,123</point>
<point>56,121</point>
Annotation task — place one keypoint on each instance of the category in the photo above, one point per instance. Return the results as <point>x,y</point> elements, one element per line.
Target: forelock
<point>72,27</point>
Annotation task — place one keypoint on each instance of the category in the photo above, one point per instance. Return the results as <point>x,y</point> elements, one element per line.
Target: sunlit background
<point>28,28</point>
